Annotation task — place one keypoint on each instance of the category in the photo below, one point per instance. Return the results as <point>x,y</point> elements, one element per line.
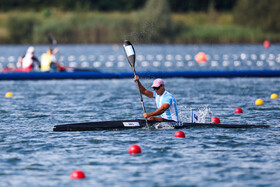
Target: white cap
<point>157,83</point>
<point>30,49</point>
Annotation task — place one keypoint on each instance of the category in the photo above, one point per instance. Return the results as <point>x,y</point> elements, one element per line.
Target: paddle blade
<point>52,39</point>
<point>129,52</point>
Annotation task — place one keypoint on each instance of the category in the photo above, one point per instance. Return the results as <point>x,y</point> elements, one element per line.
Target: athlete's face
<point>159,90</point>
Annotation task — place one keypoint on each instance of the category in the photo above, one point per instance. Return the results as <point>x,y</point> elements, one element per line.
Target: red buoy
<point>266,44</point>
<point>77,174</point>
<point>179,134</point>
<point>200,57</point>
<point>134,149</point>
<point>215,120</point>
<point>238,110</point>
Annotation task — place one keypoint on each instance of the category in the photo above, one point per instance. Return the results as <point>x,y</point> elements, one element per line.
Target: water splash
<point>163,125</point>
<point>186,114</point>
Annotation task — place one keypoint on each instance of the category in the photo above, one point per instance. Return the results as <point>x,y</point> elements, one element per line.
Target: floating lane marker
<point>180,64</point>
<point>225,57</point>
<point>140,57</point>
<point>2,59</point>
<point>215,120</point>
<point>262,56</point>
<point>259,102</point>
<point>61,58</point>
<point>134,149</point>
<point>243,56</point>
<point>191,63</point>
<point>200,57</point>
<point>179,134</point>
<point>11,65</point>
<point>271,63</point>
<point>259,63</point>
<point>254,57</point>
<point>109,64</point>
<point>274,96</point>
<point>237,63</point>
<point>271,56</point>
<point>121,64</point>
<point>71,58</point>
<point>96,64</point>
<point>215,63</point>
<point>278,59</point>
<point>188,57</point>
<point>11,58</point>
<point>178,57</point>
<point>85,64</point>
<point>225,63</point>
<point>168,64</point>
<point>78,174</point>
<point>238,110</point>
<point>145,64</point>
<point>111,57</point>
<point>169,57</point>
<point>73,64</point>
<point>159,57</point>
<point>121,57</point>
<point>156,63</point>
<point>9,94</point>
<point>266,44</point>
<point>249,63</point>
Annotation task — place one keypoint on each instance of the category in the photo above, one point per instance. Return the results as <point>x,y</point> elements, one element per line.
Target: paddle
<point>53,41</point>
<point>130,54</point>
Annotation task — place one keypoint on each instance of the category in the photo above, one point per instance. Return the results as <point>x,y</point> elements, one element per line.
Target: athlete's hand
<point>146,115</point>
<point>136,78</point>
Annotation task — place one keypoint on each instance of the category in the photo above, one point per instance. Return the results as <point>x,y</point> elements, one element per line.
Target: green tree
<point>258,13</point>
<point>21,29</point>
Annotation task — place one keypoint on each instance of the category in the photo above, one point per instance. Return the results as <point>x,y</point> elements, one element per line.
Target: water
<point>33,155</point>
<point>155,57</point>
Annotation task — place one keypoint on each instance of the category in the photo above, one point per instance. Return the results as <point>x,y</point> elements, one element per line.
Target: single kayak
<point>138,123</point>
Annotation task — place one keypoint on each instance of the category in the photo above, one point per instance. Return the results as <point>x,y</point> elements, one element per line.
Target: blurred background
<point>142,21</point>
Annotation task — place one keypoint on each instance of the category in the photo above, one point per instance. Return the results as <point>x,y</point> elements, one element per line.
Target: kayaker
<point>29,62</point>
<point>49,62</point>
<point>165,101</point>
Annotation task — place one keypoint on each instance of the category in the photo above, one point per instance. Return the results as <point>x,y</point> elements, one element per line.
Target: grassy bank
<point>114,27</point>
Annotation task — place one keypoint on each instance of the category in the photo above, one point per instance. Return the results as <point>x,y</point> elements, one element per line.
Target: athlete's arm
<point>157,112</point>
<point>143,90</point>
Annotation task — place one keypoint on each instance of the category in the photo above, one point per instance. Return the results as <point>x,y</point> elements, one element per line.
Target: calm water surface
<point>33,155</point>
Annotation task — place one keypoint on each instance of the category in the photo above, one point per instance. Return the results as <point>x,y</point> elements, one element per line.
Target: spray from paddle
<point>187,114</point>
<point>130,54</point>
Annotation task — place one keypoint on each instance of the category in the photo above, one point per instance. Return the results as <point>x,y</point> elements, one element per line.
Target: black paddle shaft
<point>130,54</point>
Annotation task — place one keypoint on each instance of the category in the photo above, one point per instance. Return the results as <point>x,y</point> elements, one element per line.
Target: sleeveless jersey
<point>171,113</point>
<point>46,61</point>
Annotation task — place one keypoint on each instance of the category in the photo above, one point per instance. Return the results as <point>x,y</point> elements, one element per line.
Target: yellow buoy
<point>259,102</point>
<point>274,96</point>
<point>9,94</point>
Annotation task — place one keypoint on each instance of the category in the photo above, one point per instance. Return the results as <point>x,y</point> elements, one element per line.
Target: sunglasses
<point>156,88</point>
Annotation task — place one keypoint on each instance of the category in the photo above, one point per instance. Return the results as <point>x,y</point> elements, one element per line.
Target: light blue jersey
<point>171,113</point>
